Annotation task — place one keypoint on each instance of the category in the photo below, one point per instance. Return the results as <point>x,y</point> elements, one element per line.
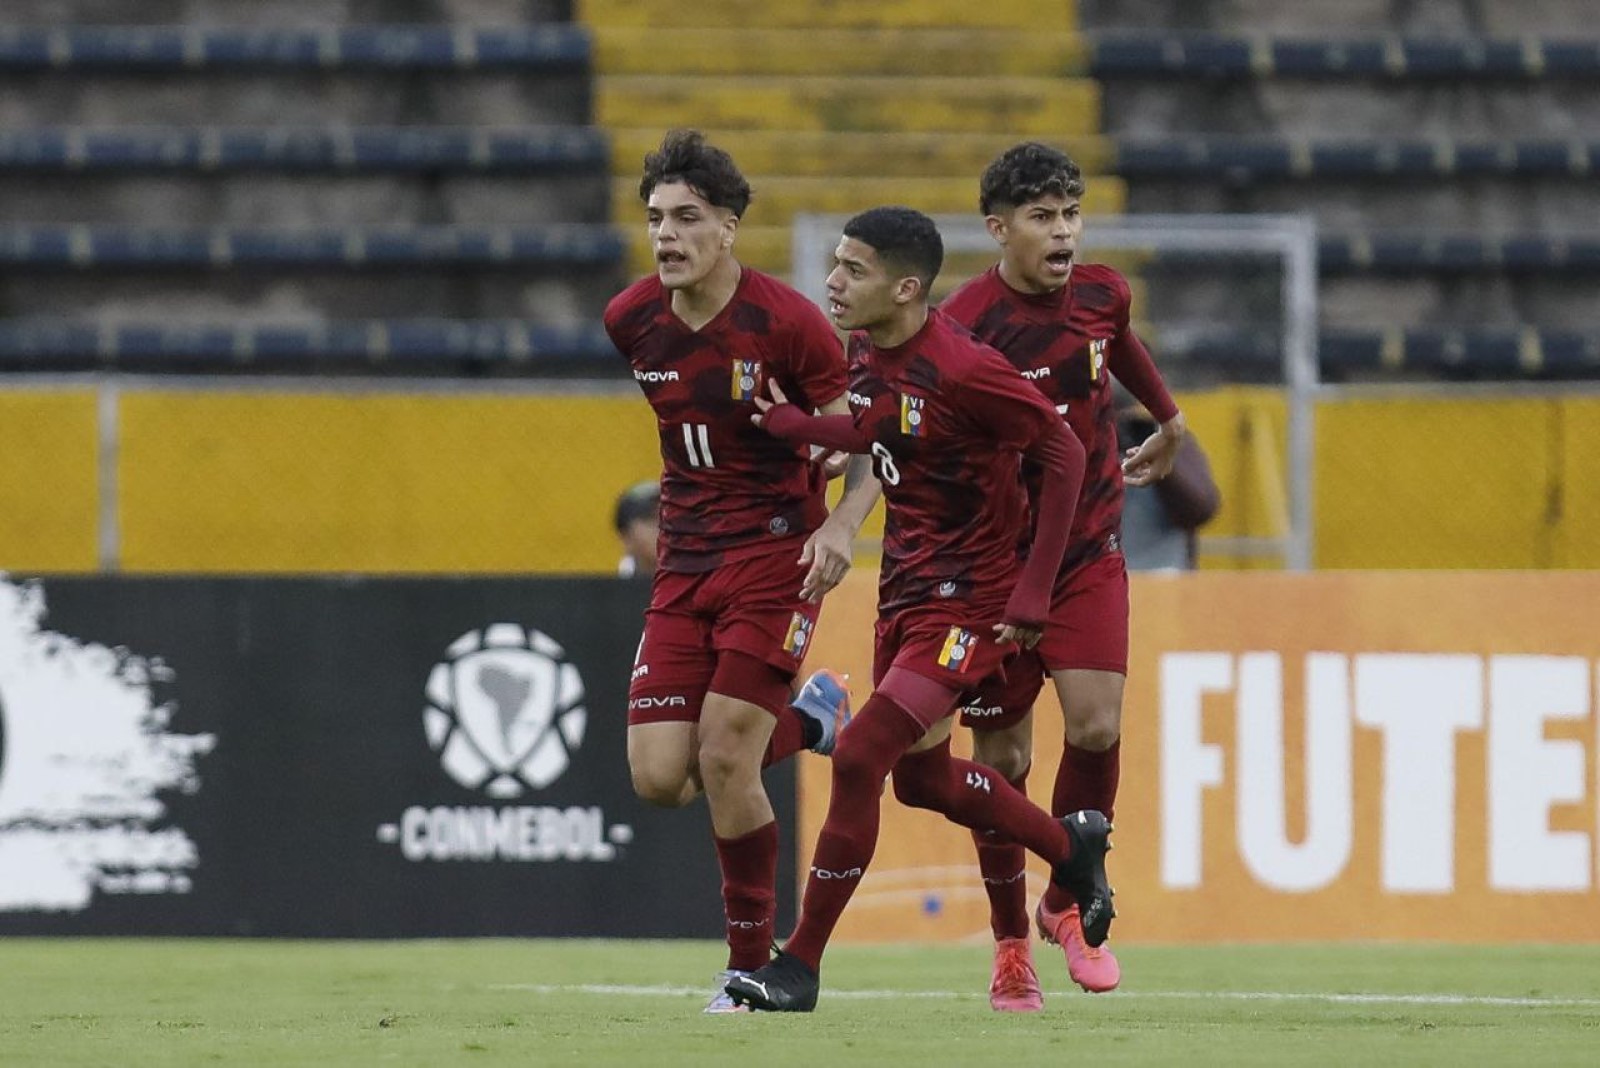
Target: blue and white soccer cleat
<point>825,698</point>
<point>722,1002</point>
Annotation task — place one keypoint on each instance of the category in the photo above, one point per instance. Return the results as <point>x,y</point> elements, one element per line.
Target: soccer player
<point>1064,325</point>
<point>946,420</point>
<point>747,546</point>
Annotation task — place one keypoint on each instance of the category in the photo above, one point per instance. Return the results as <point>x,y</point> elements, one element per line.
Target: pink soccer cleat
<point>1094,968</point>
<point>1015,986</point>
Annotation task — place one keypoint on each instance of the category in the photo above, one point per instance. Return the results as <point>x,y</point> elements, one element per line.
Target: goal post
<point>1211,243</point>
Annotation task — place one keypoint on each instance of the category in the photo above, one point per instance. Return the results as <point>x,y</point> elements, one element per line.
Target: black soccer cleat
<point>785,984</point>
<point>1083,875</point>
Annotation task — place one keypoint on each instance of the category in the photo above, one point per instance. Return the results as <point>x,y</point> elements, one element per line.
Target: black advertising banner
<point>342,758</point>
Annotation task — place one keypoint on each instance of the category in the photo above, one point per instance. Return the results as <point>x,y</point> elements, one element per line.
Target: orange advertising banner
<point>1342,755</point>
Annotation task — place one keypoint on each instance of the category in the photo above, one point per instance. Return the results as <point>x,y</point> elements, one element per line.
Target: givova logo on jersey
<point>504,712</point>
<point>84,757</point>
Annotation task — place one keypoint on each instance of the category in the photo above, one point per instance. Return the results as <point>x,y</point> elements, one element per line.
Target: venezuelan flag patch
<point>1097,358</point>
<point>746,378</point>
<point>913,420</point>
<point>957,651</point>
<point>794,643</point>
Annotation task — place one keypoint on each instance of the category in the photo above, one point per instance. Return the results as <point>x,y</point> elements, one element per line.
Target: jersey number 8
<point>887,472</point>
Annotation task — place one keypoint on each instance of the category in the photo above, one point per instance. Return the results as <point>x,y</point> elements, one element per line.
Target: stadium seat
<point>404,150</point>
<point>373,345</point>
<point>389,47</point>
<point>95,247</point>
<point>1222,56</point>
<point>1241,160</point>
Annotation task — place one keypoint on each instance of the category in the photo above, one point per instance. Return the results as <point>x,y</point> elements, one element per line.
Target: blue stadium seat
<point>1462,253</point>
<point>517,345</point>
<point>1268,158</point>
<point>113,247</point>
<point>1224,57</point>
<point>409,149</point>
<point>545,48</point>
<point>1495,353</point>
<point>66,345</point>
<point>1485,352</point>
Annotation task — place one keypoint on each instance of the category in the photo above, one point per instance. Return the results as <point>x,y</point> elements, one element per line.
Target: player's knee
<point>1010,756</point>
<point>657,786</point>
<point>914,787</point>
<point>1097,730</point>
<point>855,765</point>
<point>722,761</point>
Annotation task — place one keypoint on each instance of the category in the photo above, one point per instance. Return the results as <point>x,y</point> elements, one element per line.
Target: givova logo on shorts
<point>84,757</point>
<point>504,710</point>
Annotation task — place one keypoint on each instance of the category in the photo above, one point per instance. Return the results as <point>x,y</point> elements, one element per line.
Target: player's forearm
<point>1061,461</point>
<point>1130,362</point>
<point>837,432</point>
<point>861,493</point>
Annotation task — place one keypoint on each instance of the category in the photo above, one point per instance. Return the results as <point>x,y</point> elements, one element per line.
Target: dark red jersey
<point>1065,343</point>
<point>947,418</point>
<point>729,490</point>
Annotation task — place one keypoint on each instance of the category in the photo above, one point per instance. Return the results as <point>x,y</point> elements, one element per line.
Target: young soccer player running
<point>746,546</point>
<point>1064,325</point>
<point>946,420</point>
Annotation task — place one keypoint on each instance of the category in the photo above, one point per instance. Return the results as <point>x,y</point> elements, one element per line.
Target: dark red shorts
<point>1088,630</point>
<point>750,606</point>
<point>951,643</point>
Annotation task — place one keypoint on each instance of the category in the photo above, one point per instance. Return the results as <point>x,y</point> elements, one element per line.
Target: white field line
<point>1120,995</point>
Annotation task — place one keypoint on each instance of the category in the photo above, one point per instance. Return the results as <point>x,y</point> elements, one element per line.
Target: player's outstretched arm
<point>784,420</point>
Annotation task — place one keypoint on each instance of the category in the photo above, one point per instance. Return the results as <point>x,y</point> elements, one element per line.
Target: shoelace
<point>1013,974</point>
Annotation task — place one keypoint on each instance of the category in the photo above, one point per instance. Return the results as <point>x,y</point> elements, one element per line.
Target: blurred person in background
<point>638,524</point>
<point>1160,522</point>
<point>1065,326</point>
<point>747,544</point>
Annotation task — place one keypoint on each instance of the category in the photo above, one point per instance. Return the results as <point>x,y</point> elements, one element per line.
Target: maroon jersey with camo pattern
<point>1064,342</point>
<point>729,490</point>
<point>947,417</point>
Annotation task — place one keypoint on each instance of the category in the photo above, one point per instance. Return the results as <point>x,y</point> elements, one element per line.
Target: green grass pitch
<point>515,1002</point>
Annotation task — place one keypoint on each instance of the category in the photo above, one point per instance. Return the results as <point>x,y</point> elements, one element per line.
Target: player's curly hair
<point>905,239</point>
<point>684,156</point>
<point>1027,172</point>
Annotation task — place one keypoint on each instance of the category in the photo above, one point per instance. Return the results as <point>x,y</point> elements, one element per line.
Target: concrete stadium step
<point>908,53</point>
<point>802,14</point>
<point>821,154</point>
<point>776,199</point>
<point>1023,106</point>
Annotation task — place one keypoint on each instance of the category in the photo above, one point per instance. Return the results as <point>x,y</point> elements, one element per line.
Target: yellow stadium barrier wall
<point>49,485</point>
<point>318,481</point>
<point>1352,755</point>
